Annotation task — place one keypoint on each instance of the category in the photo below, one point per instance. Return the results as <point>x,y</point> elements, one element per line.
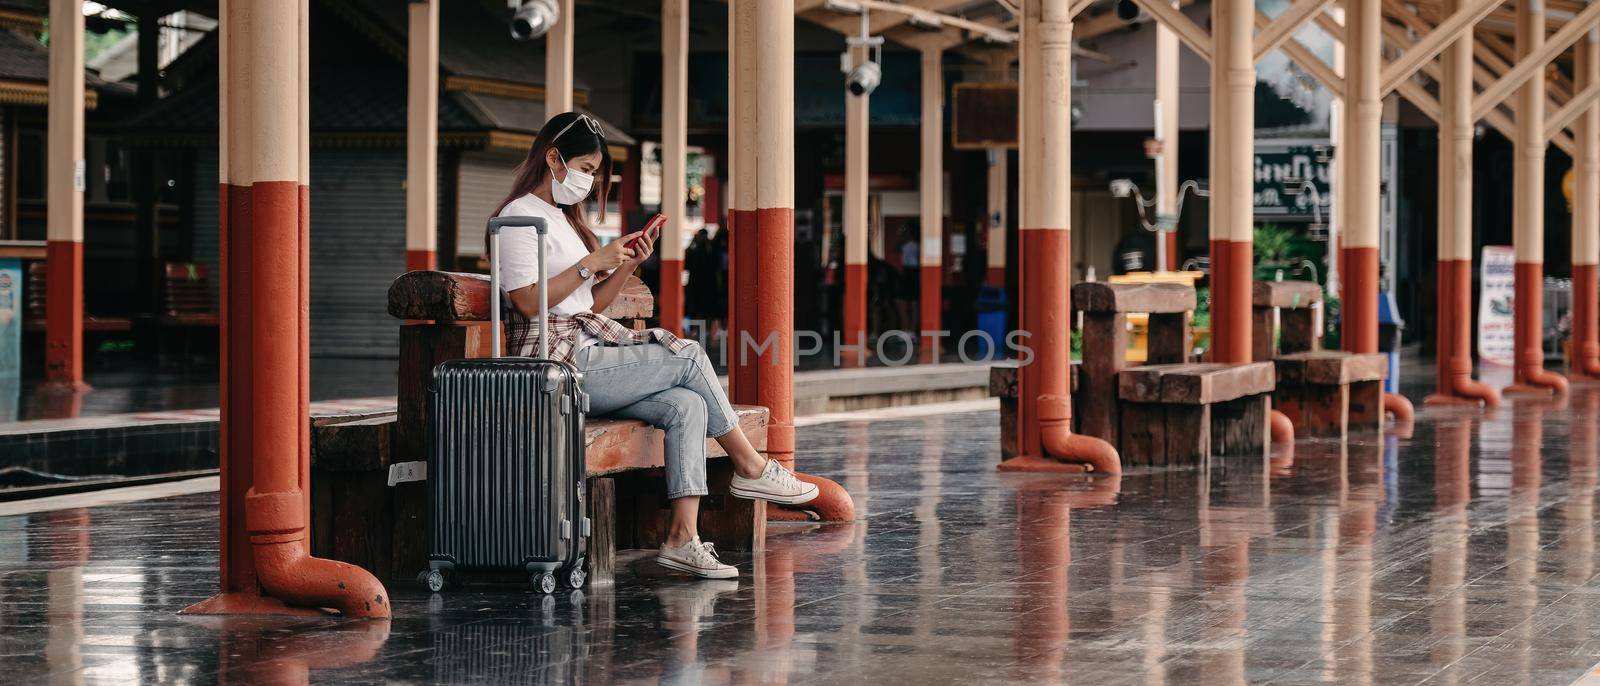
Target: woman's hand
<point>610,256</point>
<point>642,249</point>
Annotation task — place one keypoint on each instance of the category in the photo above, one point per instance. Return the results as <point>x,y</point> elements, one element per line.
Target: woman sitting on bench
<point>650,375</point>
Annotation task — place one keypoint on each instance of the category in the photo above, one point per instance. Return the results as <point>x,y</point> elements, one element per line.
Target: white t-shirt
<point>519,256</point>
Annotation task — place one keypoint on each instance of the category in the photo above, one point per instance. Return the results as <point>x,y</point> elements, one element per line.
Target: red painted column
<point>1232,208</point>
<point>1585,341</point>
<point>1045,438</point>
<point>856,182</point>
<point>931,188</point>
<point>763,53</point>
<point>64,210</point>
<point>1453,283</point>
<point>265,382</point>
<point>1528,218</point>
<point>674,158</point>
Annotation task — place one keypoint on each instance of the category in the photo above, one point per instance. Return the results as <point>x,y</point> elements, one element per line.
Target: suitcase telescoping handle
<point>495,338</point>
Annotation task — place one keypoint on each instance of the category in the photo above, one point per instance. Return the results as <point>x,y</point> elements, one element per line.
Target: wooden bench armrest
<point>1195,384</point>
<point>1155,298</point>
<point>1332,367</point>
<point>1290,295</point>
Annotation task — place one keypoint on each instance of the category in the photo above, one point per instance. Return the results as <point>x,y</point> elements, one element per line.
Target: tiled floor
<point>1465,554</point>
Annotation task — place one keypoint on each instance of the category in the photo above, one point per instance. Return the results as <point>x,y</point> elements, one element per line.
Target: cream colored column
<point>999,184</point>
<point>1166,131</point>
<point>999,191</point>
<point>856,132</point>
<point>674,155</point>
<point>558,63</point>
<point>1586,218</point>
<point>1360,150</point>
<point>64,180</point>
<point>1453,288</point>
<point>1527,203</point>
<point>422,135</point>
<point>1044,404</point>
<point>1232,193</point>
<point>932,195</point>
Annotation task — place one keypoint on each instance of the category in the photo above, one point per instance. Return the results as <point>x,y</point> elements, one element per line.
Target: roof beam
<point>1198,39</point>
<point>1534,62</point>
<point>1284,25</point>
<point>1313,65</point>
<point>1432,44</point>
<point>1558,122</point>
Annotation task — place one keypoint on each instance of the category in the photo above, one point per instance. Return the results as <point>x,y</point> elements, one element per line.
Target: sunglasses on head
<point>593,126</point>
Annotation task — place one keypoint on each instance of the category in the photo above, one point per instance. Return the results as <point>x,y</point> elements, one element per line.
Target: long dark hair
<point>576,142</point>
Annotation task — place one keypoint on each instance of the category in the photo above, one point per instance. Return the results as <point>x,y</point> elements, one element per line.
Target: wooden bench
<point>1181,414</point>
<point>1324,393</point>
<point>37,306</point>
<point>187,310</point>
<point>446,317</point>
<point>1105,308</point>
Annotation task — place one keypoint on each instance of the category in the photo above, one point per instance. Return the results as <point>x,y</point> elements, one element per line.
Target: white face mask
<point>574,189</point>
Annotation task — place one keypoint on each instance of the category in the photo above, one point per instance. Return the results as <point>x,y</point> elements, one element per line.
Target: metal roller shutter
<point>358,246</point>
<point>484,181</point>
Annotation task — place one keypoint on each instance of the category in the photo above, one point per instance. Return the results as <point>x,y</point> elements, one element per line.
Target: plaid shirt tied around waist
<point>522,337</point>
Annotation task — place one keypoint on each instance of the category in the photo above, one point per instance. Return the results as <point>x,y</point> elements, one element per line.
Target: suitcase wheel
<point>434,580</point>
<point>574,577</point>
<point>543,582</point>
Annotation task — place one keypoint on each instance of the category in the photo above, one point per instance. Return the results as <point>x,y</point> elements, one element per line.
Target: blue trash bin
<point>992,320</point>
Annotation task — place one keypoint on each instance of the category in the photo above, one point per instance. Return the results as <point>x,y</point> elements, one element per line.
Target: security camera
<point>864,78</point>
<point>1130,11</point>
<point>534,19</point>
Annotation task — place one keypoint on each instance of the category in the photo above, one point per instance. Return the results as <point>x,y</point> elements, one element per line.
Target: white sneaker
<point>694,557</point>
<point>775,485</point>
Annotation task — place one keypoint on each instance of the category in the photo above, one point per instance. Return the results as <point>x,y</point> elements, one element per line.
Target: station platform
<point>160,437</point>
<point>1466,553</point>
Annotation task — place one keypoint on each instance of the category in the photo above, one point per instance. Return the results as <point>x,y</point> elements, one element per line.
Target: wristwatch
<point>583,272</point>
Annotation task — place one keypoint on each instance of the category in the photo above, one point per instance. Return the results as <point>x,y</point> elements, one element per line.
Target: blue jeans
<point>677,393</point>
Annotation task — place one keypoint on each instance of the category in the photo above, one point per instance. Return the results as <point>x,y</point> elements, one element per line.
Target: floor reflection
<point>1465,553</point>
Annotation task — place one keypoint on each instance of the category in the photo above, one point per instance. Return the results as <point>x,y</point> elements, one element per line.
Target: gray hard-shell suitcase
<point>506,450</point>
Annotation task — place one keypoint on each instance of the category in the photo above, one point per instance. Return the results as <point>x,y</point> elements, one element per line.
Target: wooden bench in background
<point>1167,412</point>
<point>359,518</point>
<point>36,296</point>
<point>187,311</point>
<point>1324,393</point>
<point>1182,414</point>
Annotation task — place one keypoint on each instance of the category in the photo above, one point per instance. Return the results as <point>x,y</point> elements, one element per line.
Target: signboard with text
<point>1293,180</point>
<point>1496,328</point>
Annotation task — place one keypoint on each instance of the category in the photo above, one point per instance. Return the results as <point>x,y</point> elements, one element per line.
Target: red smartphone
<point>650,232</point>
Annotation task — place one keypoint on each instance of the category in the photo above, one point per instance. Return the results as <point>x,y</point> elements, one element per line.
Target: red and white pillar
<point>422,135</point>
<point>558,62</point>
<point>762,372</point>
<point>932,195</point>
<point>1360,152</point>
<point>674,157</point>
<point>856,132</point>
<point>265,372</point>
<point>1233,82</point>
<point>1045,439</point>
<point>1585,347</point>
<point>999,185</point>
<point>64,179</point>
<point>1527,202</point>
<point>1453,378</point>
<point>1166,131</point>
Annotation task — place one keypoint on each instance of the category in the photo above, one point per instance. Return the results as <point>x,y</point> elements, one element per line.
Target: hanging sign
<point>1496,327</point>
